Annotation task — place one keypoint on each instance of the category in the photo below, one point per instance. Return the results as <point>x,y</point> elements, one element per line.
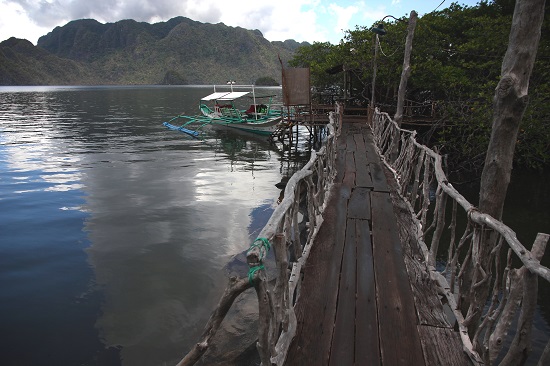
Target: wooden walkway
<point>357,304</point>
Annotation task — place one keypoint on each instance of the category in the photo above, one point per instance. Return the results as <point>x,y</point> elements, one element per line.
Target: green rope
<point>252,271</point>
<point>264,246</point>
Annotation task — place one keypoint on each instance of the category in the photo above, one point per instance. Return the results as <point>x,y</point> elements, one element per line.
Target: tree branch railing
<point>446,220</point>
<point>297,217</point>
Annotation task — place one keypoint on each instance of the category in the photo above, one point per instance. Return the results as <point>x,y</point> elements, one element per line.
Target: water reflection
<point>132,224</point>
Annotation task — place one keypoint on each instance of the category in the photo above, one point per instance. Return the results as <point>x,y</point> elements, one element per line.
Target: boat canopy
<point>215,95</point>
<point>232,96</point>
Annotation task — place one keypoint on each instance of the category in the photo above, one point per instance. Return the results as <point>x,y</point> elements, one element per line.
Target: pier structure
<point>357,303</point>
<point>378,263</point>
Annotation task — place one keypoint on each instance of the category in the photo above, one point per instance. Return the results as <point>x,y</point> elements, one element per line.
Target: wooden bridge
<point>356,305</point>
<point>357,282</point>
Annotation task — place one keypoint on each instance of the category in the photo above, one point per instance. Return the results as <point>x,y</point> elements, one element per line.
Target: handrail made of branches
<point>299,215</point>
<point>426,191</point>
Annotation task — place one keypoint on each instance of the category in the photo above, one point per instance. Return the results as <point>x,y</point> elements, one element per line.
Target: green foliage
<point>319,57</point>
<point>456,64</point>
<point>173,78</point>
<point>266,81</point>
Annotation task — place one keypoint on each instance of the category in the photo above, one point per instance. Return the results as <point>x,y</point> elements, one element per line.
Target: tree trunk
<point>509,104</point>
<point>406,72</point>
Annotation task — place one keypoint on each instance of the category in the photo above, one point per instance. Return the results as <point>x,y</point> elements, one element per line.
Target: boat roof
<point>216,95</point>
<point>233,95</point>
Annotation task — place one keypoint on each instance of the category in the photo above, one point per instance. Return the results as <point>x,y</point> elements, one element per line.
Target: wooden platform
<point>357,304</point>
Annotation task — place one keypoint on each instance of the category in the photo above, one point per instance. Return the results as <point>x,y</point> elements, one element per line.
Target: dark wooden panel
<point>343,341</point>
<point>370,147</point>
<point>359,142</point>
<point>340,165</point>
<point>396,310</point>
<point>350,142</point>
<point>429,308</point>
<point>366,326</point>
<point>379,181</point>
<point>359,204</point>
<point>316,307</point>
<point>442,347</point>
<point>364,178</point>
<point>350,162</point>
<point>375,164</point>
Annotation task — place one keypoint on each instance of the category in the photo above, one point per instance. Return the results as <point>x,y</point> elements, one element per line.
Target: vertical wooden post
<point>371,104</point>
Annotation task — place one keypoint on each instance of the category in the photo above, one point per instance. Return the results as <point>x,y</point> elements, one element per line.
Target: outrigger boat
<point>259,118</point>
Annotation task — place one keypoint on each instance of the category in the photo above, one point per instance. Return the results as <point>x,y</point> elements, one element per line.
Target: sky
<point>278,20</point>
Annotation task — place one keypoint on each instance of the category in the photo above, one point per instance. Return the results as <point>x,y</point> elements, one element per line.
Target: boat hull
<point>264,128</point>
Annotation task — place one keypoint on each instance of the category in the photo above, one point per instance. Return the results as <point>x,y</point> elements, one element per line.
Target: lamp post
<point>406,72</point>
<point>380,31</point>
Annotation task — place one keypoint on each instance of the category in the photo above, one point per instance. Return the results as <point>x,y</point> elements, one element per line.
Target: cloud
<point>343,15</point>
<point>280,20</point>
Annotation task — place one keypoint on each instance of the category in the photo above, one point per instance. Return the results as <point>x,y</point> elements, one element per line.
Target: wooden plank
<point>399,339</point>
<point>364,178</point>
<point>359,204</point>
<point>350,161</point>
<point>375,164</point>
<point>340,165</point>
<point>343,341</point>
<point>316,307</point>
<point>350,142</point>
<point>359,142</point>
<point>378,178</point>
<point>428,305</point>
<point>442,347</point>
<point>366,324</point>
<point>370,148</point>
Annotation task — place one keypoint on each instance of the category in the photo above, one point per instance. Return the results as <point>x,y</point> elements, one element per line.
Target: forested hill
<point>179,51</point>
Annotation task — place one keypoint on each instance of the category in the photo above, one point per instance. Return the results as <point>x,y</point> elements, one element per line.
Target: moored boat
<point>220,108</point>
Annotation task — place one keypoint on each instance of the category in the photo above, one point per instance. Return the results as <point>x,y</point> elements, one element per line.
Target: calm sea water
<point>115,232</point>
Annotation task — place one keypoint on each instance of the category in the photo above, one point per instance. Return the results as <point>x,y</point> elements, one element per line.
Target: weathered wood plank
<point>359,204</point>
<point>375,164</point>
<point>370,148</point>
<point>343,341</point>
<point>428,304</point>
<point>396,310</point>
<point>442,347</point>
<point>350,142</point>
<point>366,325</point>
<point>364,178</point>
<point>378,178</point>
<point>350,162</point>
<point>340,165</point>
<point>316,307</point>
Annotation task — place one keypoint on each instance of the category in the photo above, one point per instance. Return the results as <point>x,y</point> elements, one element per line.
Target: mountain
<point>178,51</point>
<point>21,63</point>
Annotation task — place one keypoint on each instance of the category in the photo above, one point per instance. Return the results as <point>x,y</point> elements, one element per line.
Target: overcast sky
<point>278,20</point>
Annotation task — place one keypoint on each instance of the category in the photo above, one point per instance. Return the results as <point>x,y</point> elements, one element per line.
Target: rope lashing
<point>253,270</point>
<point>263,245</point>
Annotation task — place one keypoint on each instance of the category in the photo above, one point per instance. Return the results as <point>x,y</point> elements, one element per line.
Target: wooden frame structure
<point>425,188</point>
